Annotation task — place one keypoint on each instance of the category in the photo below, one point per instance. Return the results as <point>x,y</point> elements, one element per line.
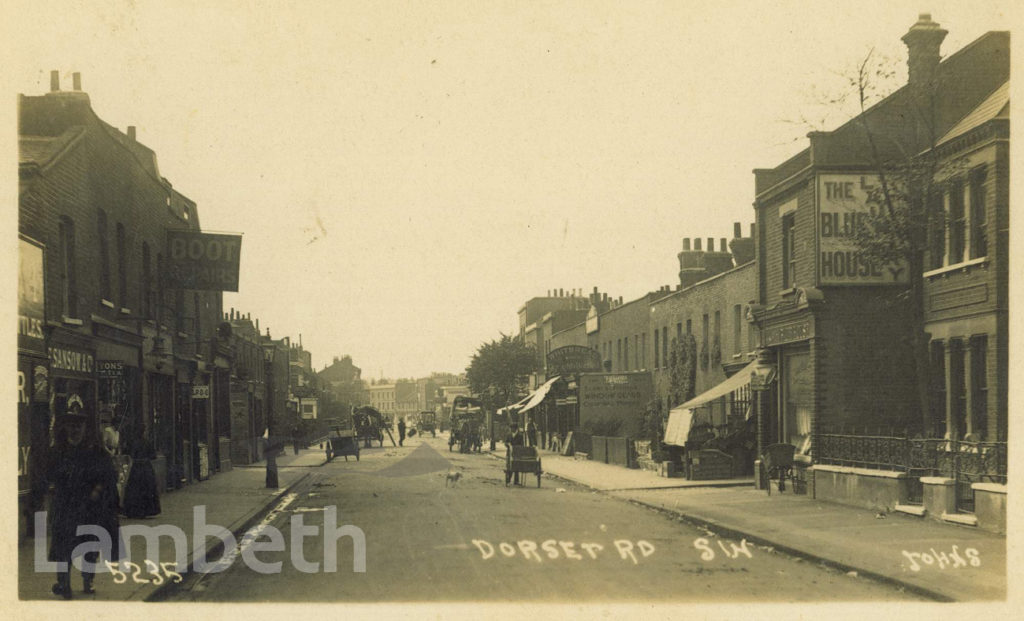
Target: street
<point>429,538</point>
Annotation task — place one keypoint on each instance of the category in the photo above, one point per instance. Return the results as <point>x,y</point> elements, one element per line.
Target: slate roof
<point>995,105</point>
<point>40,151</point>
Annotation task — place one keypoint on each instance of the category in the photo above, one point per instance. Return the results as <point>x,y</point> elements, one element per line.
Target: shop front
<point>73,374</point>
<point>713,436</point>
<point>33,384</point>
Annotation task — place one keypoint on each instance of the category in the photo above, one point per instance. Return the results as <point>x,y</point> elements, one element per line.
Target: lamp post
<point>272,480</point>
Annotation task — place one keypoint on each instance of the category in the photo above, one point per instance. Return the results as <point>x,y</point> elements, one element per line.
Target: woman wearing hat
<point>85,494</point>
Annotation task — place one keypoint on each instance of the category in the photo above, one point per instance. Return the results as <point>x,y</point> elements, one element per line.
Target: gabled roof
<point>995,105</point>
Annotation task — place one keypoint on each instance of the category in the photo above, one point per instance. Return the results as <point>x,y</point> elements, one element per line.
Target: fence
<point>965,462</point>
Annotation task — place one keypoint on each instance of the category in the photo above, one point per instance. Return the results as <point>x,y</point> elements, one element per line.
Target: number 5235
<point>161,573</point>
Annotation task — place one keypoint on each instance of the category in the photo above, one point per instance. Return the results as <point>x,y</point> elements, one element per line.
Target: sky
<point>407,175</point>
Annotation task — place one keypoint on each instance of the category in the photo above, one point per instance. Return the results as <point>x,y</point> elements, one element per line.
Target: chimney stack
<point>76,81</point>
<point>54,81</point>
<point>923,41</point>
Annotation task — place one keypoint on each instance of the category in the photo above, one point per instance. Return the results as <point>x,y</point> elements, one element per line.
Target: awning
<point>737,381</point>
<point>681,417</point>
<point>539,394</point>
<point>678,426</point>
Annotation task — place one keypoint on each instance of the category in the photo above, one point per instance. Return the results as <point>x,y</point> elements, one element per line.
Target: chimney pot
<point>76,81</point>
<point>54,81</point>
<point>752,228</point>
<point>722,245</point>
<point>686,244</point>
<point>711,244</point>
<point>131,132</point>
<point>696,243</point>
<point>737,230</point>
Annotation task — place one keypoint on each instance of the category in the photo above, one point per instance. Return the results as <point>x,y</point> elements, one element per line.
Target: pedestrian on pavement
<point>85,494</point>
<point>141,496</point>
<point>531,432</point>
<point>514,438</point>
<point>295,440</point>
<point>401,431</point>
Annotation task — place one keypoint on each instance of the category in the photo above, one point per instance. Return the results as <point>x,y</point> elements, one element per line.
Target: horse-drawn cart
<point>522,460</point>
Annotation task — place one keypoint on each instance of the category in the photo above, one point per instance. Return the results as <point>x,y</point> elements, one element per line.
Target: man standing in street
<point>401,431</point>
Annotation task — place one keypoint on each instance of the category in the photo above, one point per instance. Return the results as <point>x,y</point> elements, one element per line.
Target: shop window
<point>122,267</point>
<point>797,401</point>
<point>69,292</point>
<point>788,251</point>
<point>978,218</point>
<point>979,386</point>
<point>957,223</point>
<point>104,239</point>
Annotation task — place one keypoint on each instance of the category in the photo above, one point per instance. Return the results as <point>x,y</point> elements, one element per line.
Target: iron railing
<point>964,461</point>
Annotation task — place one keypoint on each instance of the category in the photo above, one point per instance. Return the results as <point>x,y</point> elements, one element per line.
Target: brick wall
<point>721,293</point>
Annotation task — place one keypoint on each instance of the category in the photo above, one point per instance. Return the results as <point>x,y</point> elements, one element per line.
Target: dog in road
<point>453,478</point>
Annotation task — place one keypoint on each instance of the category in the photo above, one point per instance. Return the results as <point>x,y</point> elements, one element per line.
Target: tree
<point>499,370</point>
<point>904,217</point>
<point>683,369</point>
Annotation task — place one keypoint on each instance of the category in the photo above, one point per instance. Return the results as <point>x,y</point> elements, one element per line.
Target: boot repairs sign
<point>204,261</point>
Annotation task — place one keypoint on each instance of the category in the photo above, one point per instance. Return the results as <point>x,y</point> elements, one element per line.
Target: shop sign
<point>788,333</point>
<point>202,261</point>
<point>844,204</point>
<point>31,315</point>
<point>201,391</point>
<point>573,359</point>
<point>110,369</point>
<point>72,360</point>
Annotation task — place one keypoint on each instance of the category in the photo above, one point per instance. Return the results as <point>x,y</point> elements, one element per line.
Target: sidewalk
<point>916,553</point>
<point>235,500</point>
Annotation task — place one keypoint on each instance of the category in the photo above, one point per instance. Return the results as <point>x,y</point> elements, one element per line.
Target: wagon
<point>522,460</point>
<point>343,443</point>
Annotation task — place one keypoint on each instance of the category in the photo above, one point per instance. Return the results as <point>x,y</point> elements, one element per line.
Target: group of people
<point>82,468</point>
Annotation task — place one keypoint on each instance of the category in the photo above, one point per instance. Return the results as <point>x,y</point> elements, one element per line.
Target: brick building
<point>97,325</point>
<point>834,328</point>
<point>966,280</point>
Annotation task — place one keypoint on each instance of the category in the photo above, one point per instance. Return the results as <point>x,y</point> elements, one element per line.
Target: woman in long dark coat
<point>85,493</point>
<point>141,497</point>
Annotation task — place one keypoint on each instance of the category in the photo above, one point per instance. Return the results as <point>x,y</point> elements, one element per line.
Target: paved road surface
<point>478,540</point>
